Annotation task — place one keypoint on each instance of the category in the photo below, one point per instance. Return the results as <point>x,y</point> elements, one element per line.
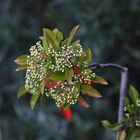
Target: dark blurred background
<point>109,27</point>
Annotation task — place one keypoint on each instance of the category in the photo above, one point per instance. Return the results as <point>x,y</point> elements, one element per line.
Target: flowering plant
<point>58,68</point>
<point>130,124</point>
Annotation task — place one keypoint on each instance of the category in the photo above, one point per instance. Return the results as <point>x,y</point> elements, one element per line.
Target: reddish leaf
<point>66,113</point>
<point>88,90</point>
<point>83,103</point>
<point>76,69</point>
<point>51,85</point>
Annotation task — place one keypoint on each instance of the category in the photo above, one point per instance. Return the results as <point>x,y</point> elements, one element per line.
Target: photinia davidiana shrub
<point>58,68</point>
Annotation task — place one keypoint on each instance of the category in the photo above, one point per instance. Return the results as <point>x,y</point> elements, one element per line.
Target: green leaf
<point>58,35</point>
<point>131,109</point>
<point>42,100</point>
<point>42,86</point>
<point>71,35</point>
<point>34,99</point>
<point>21,67</point>
<point>112,127</point>
<point>45,43</point>
<point>82,102</point>
<point>88,90</point>
<point>80,61</point>
<point>126,120</point>
<point>134,95</point>
<point>126,101</point>
<point>51,38</point>
<point>100,80</point>
<point>22,91</point>
<point>64,42</point>
<point>21,60</point>
<point>58,76</point>
<point>88,56</point>
<point>68,74</point>
<point>131,134</point>
<point>122,135</point>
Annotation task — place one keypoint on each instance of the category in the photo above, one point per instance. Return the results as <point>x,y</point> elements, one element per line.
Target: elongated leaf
<point>71,35</point>
<point>42,87</point>
<point>68,74</point>
<point>51,38</point>
<point>112,127</point>
<point>100,80</point>
<point>21,60</point>
<point>75,42</point>
<point>21,67</point>
<point>57,76</point>
<point>88,90</point>
<point>88,56</point>
<point>58,35</point>
<point>126,101</point>
<point>64,42</point>
<point>45,43</point>
<point>133,94</point>
<point>22,91</point>
<point>34,99</point>
<point>42,100</point>
<point>122,135</point>
<point>83,103</point>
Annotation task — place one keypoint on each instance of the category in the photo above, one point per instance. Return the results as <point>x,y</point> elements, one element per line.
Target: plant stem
<point>123,85</point>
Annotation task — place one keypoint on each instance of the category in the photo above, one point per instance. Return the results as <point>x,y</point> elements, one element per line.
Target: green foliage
<point>71,35</point>
<point>134,95</point>
<point>88,90</point>
<point>88,56</point>
<point>82,102</point>
<point>68,74</point>
<point>34,99</point>
<point>58,76</point>
<point>21,60</point>
<point>131,119</point>
<point>22,91</point>
<point>112,127</point>
<point>100,80</point>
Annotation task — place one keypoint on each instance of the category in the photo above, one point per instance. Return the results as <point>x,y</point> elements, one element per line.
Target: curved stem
<point>123,84</point>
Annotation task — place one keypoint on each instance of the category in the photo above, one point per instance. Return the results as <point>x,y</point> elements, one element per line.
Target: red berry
<point>66,113</point>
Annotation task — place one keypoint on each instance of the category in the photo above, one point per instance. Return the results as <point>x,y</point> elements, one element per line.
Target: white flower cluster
<point>61,59</point>
<point>66,93</point>
<point>36,49</point>
<point>138,102</point>
<point>137,122</point>
<point>35,70</point>
<point>87,75</point>
<point>127,115</point>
